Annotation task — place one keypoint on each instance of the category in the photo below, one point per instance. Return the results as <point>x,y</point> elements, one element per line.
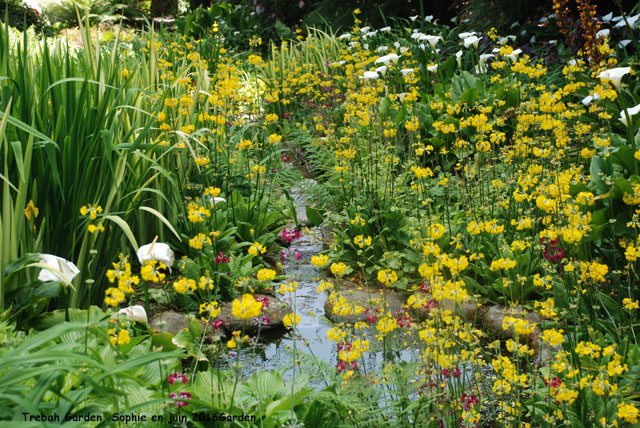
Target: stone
<point>170,322</point>
<point>270,317</point>
<point>493,318</point>
<point>370,299</point>
<point>327,237</point>
<point>467,310</point>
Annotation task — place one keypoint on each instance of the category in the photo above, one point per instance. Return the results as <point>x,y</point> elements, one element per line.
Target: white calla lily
<point>369,75</point>
<point>459,58</point>
<point>57,269</point>
<point>466,35</point>
<point>156,251</point>
<point>513,56</point>
<point>632,20</point>
<point>134,313</point>
<point>386,59</point>
<point>432,40</point>
<point>471,41</point>
<point>615,75</point>
<point>432,68</point>
<point>631,112</point>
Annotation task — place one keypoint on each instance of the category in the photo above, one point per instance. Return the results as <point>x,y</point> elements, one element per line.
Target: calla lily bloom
<point>513,56</point>
<point>631,112</point>
<point>632,20</point>
<point>386,59</point>
<point>471,41</point>
<point>57,269</point>
<point>214,201</point>
<point>615,75</point>
<point>369,75</point>
<point>459,58</point>
<point>156,251</point>
<point>432,68</point>
<point>432,40</point>
<point>466,35</point>
<point>135,313</point>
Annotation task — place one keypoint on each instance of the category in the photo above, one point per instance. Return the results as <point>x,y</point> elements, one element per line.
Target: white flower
<point>471,41</point>
<point>214,201</point>
<point>156,251</point>
<point>381,70</point>
<point>401,96</point>
<point>615,75</point>
<point>365,29</point>
<point>433,40</point>
<point>624,43</point>
<point>404,49</point>
<point>369,75</point>
<point>432,68</point>
<point>632,20</point>
<point>607,17</point>
<point>484,58</point>
<point>57,269</point>
<point>387,59</point>
<point>135,313</point>
<point>603,33</point>
<point>428,18</point>
<point>513,56</point>
<point>587,100</point>
<point>344,36</point>
<point>466,35</point>
<point>630,111</point>
<point>459,58</point>
<point>413,18</point>
<point>406,71</point>
<point>382,48</point>
<point>372,33</point>
<point>417,35</point>
<point>385,29</point>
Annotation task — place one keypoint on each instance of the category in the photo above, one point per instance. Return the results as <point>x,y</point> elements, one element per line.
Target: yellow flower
<point>123,337</point>
<point>92,228</point>
<point>246,307</point>
<point>266,275</point>
<point>553,337</point>
<point>256,248</point>
<point>199,240</point>
<point>91,211</point>
<point>630,304</point>
<point>338,268</point>
<point>183,285</point>
<point>212,308</point>
<point>31,209</point>
<point>387,276</point>
<point>320,260</point>
<point>231,343</point>
<point>628,412</point>
<point>291,319</point>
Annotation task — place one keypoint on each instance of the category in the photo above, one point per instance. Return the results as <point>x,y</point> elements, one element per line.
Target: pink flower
<point>181,396</point>
<point>177,376</point>
<point>264,300</point>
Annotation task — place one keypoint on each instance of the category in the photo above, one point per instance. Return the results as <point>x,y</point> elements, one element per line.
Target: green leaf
<point>314,215</point>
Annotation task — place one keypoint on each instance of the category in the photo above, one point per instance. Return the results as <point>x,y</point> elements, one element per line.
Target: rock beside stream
<point>170,322</point>
<point>371,300</point>
<point>493,319</point>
